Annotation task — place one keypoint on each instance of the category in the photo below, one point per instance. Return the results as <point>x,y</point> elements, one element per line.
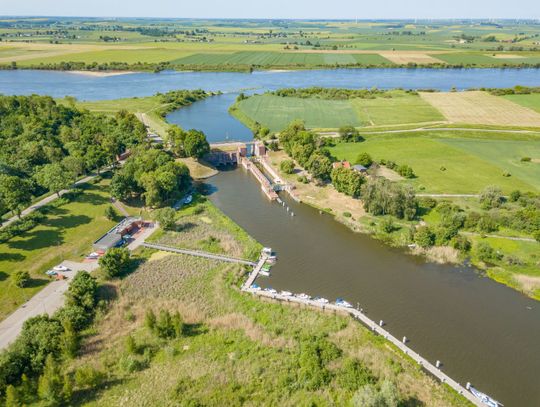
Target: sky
<point>294,9</point>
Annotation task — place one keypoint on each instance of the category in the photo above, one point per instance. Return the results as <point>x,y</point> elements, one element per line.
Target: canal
<point>482,331</point>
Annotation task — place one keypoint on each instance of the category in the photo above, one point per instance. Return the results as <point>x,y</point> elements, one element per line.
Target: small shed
<point>359,168</point>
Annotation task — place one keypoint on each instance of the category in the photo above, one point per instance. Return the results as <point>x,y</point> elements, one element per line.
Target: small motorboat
<point>484,398</point>
<point>255,287</point>
<point>286,293</point>
<point>267,251</point>
<point>270,290</point>
<point>303,296</point>
<point>264,273</point>
<point>340,302</point>
<point>60,268</point>
<point>188,199</point>
<point>322,300</point>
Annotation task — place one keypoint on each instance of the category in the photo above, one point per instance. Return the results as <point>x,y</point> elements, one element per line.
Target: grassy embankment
<point>235,349</point>
<point>67,233</point>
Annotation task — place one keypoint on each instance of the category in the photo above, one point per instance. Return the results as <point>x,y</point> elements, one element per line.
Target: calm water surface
<point>483,332</point>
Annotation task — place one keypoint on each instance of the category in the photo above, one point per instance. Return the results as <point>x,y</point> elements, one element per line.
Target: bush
<point>461,243</point>
<point>353,375</point>
<point>486,224</point>
<point>115,262</point>
<point>486,253</point>
<point>491,197</point>
<point>347,214</point>
<point>443,235</point>
<point>525,159</point>
<point>424,237</point>
<point>20,278</point>
<point>88,377</point>
<point>536,235</point>
<point>405,171</point>
<point>166,217</point>
<point>515,195</point>
<point>387,225</point>
<point>427,202</point>
<point>303,179</point>
<point>382,197</point>
<point>364,159</point>
<point>110,213</point>
<point>287,166</point>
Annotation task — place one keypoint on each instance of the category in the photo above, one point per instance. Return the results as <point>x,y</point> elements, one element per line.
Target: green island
<point>124,44</point>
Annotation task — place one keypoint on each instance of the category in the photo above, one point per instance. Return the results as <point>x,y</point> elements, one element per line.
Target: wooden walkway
<point>198,253</point>
<point>255,273</point>
<point>425,364</point>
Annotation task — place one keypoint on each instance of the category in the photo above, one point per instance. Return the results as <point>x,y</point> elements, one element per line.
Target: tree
<point>166,217</point>
<point>20,278</point>
<point>69,340</point>
<point>382,197</point>
<point>115,262</point>
<point>347,181</point>
<point>15,193</point>
<point>73,165</point>
<point>349,134</point>
<point>491,197</point>
<point>50,383</point>
<point>110,213</point>
<point>319,166</point>
<point>12,397</point>
<point>364,159</point>
<point>82,291</point>
<point>176,138</point>
<point>287,166</point>
<point>53,177</point>
<point>195,144</point>
<point>150,319</point>
<point>424,237</point>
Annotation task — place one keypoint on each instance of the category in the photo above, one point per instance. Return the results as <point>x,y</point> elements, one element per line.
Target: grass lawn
<point>67,233</point>
<point>531,101</point>
<point>470,165</point>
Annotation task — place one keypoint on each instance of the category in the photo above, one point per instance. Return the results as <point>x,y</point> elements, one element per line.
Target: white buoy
<point>404,340</point>
<point>287,209</point>
<point>292,213</point>
<point>468,386</point>
<point>438,364</point>
<point>381,322</point>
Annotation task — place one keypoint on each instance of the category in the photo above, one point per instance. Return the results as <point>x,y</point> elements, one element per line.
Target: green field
<point>531,101</point>
<point>67,233</point>
<point>277,59</point>
<point>277,112</point>
<point>469,164</point>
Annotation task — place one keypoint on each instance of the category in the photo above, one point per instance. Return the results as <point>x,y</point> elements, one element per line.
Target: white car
<point>60,268</point>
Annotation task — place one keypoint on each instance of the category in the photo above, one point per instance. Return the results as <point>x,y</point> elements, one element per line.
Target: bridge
<point>198,253</point>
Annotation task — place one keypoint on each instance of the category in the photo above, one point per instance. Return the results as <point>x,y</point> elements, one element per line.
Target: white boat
<point>270,290</point>
<point>340,302</point>
<point>484,398</point>
<point>303,296</point>
<point>255,287</point>
<point>188,199</point>
<point>286,293</point>
<point>60,268</point>
<point>267,250</point>
<point>264,273</point>
<point>322,300</point>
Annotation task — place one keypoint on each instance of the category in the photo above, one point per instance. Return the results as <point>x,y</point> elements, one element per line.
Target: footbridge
<point>198,253</point>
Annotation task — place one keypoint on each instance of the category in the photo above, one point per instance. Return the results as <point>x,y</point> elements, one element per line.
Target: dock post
<point>381,322</point>
<point>438,364</point>
<point>404,340</point>
<point>468,386</point>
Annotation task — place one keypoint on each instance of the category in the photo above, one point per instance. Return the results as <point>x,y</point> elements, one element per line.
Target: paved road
<point>421,129</point>
<point>47,301</point>
<point>52,296</point>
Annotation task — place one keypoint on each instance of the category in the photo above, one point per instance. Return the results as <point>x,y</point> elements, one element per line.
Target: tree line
<point>45,146</point>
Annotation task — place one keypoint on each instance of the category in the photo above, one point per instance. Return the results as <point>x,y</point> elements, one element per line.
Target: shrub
<point>347,214</point>
<point>515,195</point>
<point>110,213</point>
<point>20,278</point>
<point>405,171</point>
<point>491,197</point>
<point>88,377</point>
<point>382,197</point>
<point>486,253</point>
<point>443,235</point>
<point>166,217</point>
<point>486,224</point>
<point>461,243</point>
<point>387,225</point>
<point>115,262</point>
<point>525,159</point>
<point>364,159</point>
<point>427,202</point>
<point>303,179</point>
<point>353,375</point>
<point>536,235</point>
<point>287,166</point>
<point>424,237</point>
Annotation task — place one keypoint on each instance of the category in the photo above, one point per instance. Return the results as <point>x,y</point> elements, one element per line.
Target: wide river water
<point>483,332</point>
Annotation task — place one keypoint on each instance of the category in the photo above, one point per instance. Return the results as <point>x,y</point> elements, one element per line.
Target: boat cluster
<point>340,302</point>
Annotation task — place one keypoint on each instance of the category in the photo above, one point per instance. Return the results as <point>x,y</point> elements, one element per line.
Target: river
<point>483,332</point>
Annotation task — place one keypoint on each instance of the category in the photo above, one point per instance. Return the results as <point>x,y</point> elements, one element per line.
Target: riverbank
<point>514,272</point>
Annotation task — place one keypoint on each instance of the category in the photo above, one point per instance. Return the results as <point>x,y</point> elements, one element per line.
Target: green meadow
<point>277,112</point>
<point>454,165</point>
<point>67,233</point>
<point>531,101</point>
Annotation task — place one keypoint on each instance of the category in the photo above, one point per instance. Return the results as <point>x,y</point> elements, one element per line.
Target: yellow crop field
<point>476,107</point>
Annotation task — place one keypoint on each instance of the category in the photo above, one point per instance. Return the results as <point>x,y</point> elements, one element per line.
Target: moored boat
<point>484,398</point>
<point>342,303</point>
<point>303,296</point>
<point>286,293</point>
<point>322,300</point>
